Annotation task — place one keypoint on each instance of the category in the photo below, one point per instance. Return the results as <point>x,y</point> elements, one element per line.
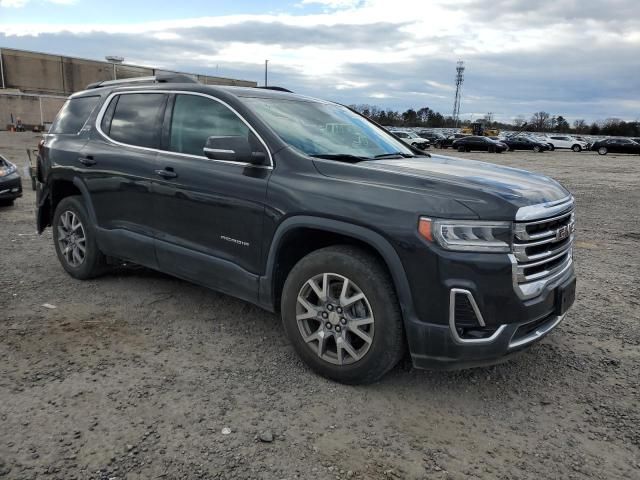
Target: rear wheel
<point>342,316</point>
<point>551,147</point>
<point>576,148</point>
<point>602,151</point>
<point>75,241</point>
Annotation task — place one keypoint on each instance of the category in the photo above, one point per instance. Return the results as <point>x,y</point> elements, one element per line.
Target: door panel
<point>210,214</point>
<point>119,176</point>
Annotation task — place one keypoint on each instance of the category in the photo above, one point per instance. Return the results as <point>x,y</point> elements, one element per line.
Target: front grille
<point>543,248</point>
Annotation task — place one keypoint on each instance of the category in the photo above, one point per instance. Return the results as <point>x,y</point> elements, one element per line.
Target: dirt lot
<point>136,374</point>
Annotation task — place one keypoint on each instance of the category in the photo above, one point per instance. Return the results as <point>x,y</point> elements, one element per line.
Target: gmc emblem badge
<point>562,233</point>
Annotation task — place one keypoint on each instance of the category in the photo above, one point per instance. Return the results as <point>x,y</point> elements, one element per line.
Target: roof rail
<point>278,89</point>
<point>159,78</point>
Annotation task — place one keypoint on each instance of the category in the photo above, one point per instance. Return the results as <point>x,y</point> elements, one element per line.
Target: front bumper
<point>10,187</point>
<point>479,309</point>
<point>437,346</point>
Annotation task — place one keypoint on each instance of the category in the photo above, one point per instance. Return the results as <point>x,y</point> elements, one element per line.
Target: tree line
<point>538,122</point>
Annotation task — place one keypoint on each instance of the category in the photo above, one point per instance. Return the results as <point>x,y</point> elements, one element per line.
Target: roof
<point>256,92</point>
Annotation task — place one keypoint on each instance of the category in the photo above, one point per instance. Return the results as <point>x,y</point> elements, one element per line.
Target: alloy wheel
<point>335,318</point>
<point>71,238</point>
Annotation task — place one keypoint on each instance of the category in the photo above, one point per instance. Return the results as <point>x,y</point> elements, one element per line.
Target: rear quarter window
<point>73,115</point>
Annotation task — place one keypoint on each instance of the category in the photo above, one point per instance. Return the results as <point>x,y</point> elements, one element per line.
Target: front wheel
<point>75,241</point>
<point>576,148</point>
<point>551,147</point>
<point>342,316</point>
<point>602,151</point>
<point>537,149</point>
<point>462,149</point>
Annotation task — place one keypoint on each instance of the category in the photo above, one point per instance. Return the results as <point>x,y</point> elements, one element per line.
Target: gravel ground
<point>139,375</point>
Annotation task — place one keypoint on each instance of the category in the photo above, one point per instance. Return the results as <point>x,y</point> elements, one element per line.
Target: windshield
<point>325,129</point>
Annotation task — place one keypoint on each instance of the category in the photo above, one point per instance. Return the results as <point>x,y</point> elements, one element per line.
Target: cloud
<point>23,3</point>
<point>567,57</point>
<point>13,3</point>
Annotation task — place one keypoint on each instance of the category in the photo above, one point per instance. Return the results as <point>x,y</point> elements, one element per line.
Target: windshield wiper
<point>341,156</point>
<point>395,154</point>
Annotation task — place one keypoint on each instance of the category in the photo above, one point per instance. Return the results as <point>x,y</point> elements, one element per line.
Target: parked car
<point>448,142</point>
<point>413,139</point>
<point>474,143</point>
<point>524,143</point>
<point>10,182</point>
<point>365,248</point>
<point>567,142</point>
<point>616,145</point>
<point>434,138</point>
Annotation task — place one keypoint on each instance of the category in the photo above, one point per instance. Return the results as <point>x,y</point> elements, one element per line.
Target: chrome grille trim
<point>542,247</point>
<point>544,210</point>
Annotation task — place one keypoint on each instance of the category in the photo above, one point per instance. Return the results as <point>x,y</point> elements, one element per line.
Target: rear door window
<point>136,119</point>
<point>73,115</point>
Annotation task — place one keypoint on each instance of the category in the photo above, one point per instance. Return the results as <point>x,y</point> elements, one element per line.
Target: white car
<point>411,138</point>
<point>566,141</point>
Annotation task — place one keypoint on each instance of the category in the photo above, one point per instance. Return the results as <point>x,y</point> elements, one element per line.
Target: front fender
<point>371,238</point>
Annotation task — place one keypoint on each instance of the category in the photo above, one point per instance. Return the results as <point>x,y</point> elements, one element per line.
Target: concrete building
<point>33,86</point>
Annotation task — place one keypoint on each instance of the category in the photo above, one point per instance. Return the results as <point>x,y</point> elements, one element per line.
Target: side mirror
<point>233,149</point>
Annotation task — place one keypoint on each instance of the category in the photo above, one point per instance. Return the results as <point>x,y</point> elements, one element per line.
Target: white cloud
<point>22,3</point>
<point>13,3</point>
<point>403,51</point>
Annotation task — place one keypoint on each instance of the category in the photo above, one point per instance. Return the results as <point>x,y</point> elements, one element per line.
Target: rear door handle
<point>87,161</point>
<point>166,173</point>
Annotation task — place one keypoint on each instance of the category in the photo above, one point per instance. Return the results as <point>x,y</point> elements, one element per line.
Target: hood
<point>488,191</point>
<point>517,186</point>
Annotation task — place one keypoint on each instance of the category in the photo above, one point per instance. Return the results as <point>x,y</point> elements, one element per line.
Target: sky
<point>576,58</point>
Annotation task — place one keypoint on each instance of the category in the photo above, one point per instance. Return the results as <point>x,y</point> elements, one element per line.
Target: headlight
<point>7,170</point>
<point>468,235</point>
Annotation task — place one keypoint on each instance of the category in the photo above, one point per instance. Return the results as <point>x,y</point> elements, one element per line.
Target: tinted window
<point>74,114</point>
<point>197,118</point>
<point>135,119</point>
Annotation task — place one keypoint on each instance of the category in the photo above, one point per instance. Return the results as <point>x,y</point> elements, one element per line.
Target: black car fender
<point>45,204</point>
<point>366,235</point>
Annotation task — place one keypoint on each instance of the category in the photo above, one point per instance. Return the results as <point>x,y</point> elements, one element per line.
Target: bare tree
<point>541,121</point>
<point>580,126</point>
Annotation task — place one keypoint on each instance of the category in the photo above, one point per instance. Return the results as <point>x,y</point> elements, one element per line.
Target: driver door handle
<point>167,173</point>
<point>87,161</point>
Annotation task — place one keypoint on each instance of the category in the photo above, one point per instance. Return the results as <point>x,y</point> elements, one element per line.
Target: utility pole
<point>266,64</point>
<point>456,102</point>
<point>1,68</point>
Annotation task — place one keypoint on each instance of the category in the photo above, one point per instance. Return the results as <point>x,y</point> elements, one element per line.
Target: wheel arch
<point>319,232</point>
<point>61,188</point>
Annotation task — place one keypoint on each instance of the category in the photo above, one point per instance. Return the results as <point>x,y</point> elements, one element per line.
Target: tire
<point>576,148</point>
<point>462,149</point>
<point>602,151</point>
<point>34,185</point>
<point>92,262</point>
<point>537,149</point>
<point>366,275</point>
<point>7,203</point>
<point>551,147</point>
<point>438,145</point>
